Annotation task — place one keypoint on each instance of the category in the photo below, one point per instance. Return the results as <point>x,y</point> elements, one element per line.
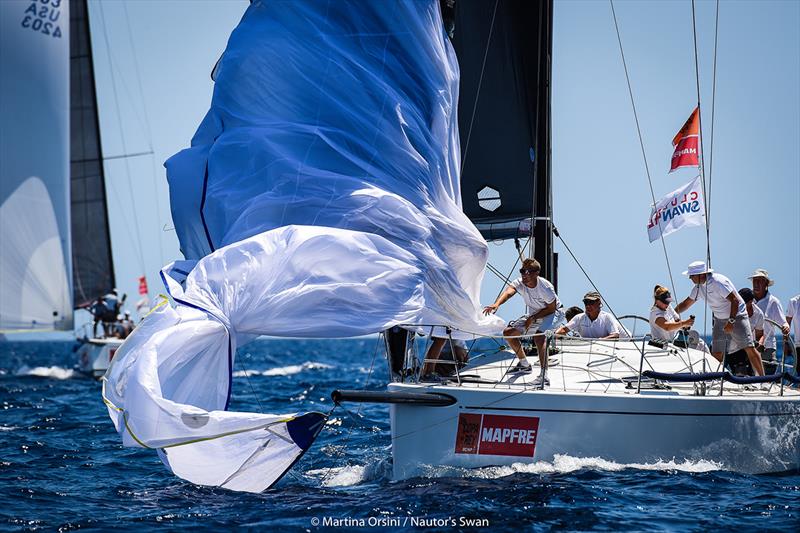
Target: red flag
<point>142,285</point>
<point>686,143</point>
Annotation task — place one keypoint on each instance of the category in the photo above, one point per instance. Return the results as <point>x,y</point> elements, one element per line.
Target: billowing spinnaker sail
<point>168,388</point>
<point>338,115</point>
<point>35,265</point>
<point>320,198</point>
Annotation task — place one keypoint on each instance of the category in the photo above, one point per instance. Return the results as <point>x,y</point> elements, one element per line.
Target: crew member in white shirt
<point>756,317</point>
<point>664,320</point>
<point>544,313</point>
<point>594,323</point>
<point>772,309</point>
<point>731,326</point>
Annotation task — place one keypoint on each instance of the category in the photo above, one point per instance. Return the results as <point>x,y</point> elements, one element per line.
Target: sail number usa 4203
<point>43,16</point>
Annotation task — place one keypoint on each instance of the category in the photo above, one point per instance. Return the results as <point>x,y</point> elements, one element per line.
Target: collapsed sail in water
<point>320,198</point>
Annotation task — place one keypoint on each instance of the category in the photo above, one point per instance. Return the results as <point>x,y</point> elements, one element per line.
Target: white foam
<point>347,476</point>
<point>54,372</point>
<point>564,464</point>
<point>8,428</point>
<point>282,370</point>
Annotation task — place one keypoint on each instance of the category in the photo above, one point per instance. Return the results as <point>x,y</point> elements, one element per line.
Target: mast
<point>543,223</point>
<point>93,266</point>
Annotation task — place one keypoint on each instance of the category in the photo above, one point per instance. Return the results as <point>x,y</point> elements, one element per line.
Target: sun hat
<point>696,268</point>
<point>592,295</point>
<point>761,273</point>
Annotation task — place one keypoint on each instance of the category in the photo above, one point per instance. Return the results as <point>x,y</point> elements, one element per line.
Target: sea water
<point>62,466</point>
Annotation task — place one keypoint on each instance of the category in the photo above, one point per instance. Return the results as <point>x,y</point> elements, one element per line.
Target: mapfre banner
<point>686,143</point>
<point>681,208</point>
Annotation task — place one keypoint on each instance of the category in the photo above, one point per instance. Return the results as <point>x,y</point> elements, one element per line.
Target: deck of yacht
<point>610,367</point>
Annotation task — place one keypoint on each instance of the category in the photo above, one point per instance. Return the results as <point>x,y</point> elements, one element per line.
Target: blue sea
<point>62,466</point>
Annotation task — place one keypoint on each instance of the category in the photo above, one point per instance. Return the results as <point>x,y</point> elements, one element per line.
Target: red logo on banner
<point>142,285</point>
<point>686,143</point>
<point>497,435</point>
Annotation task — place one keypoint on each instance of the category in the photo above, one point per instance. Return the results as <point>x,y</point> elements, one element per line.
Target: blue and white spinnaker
<point>320,198</point>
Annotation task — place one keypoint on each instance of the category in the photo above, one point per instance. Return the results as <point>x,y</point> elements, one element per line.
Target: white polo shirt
<point>603,326</point>
<point>757,321</point>
<point>793,312</point>
<point>773,310</point>
<point>670,315</point>
<point>715,292</point>
<point>538,297</point>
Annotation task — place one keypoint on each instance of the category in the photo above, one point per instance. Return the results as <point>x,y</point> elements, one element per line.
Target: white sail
<point>35,264</point>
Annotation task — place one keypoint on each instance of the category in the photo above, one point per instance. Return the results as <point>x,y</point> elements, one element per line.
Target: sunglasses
<point>591,302</point>
<point>524,271</point>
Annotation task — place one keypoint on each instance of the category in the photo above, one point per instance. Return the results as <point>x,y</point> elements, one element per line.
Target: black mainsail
<point>92,265</point>
<point>504,52</point>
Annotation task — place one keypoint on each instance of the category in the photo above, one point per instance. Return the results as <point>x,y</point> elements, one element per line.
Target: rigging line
<point>250,384</point>
<point>641,144</point>
<point>700,128</point>
<point>713,106</point>
<point>516,262</point>
<point>122,136</point>
<point>702,173</point>
<point>360,405</point>
<point>478,91</point>
<point>148,130</point>
<point>587,275</point>
<point>494,270</point>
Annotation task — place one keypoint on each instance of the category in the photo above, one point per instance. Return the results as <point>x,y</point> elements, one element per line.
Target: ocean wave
<point>53,372</point>
<point>8,428</point>
<point>282,370</point>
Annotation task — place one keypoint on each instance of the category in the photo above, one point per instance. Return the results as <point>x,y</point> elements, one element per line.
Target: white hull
<point>95,355</point>
<point>751,429</point>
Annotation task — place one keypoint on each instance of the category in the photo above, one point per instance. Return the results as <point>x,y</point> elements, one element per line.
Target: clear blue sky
<point>602,198</point>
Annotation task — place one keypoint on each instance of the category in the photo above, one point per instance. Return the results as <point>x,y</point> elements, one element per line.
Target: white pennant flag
<point>681,208</point>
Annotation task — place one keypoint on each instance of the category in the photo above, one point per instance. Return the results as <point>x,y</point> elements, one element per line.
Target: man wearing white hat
<point>772,309</point>
<point>731,326</point>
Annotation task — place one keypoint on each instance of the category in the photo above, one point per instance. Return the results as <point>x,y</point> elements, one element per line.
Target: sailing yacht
<point>632,400</point>
<point>56,251</point>
<point>335,188</point>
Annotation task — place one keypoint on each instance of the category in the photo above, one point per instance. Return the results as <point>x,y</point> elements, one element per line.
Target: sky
<point>152,64</point>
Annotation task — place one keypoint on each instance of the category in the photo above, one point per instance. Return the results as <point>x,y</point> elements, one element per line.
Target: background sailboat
<point>35,281</point>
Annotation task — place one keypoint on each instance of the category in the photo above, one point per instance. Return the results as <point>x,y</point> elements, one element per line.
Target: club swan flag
<point>681,208</point>
<point>686,142</point>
